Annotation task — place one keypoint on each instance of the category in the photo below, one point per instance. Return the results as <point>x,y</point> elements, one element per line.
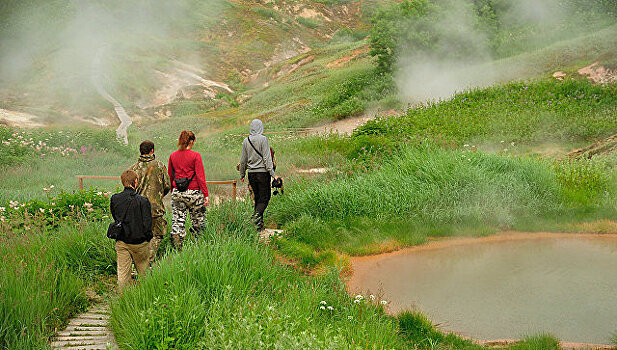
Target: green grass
<point>42,279</point>
<point>428,191</point>
<point>530,113</point>
<point>226,291</point>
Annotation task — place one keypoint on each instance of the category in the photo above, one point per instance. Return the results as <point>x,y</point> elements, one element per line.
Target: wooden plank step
<point>94,316</point>
<point>83,333</point>
<point>85,329</point>
<point>89,347</point>
<point>79,339</point>
<point>87,322</point>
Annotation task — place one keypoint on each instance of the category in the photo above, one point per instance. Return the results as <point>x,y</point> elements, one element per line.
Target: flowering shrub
<point>62,207</point>
<point>19,146</point>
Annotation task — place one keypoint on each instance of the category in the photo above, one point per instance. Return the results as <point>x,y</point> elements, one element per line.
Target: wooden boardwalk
<point>87,331</point>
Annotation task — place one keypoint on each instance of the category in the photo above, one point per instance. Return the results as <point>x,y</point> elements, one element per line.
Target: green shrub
<point>349,97</point>
<point>267,13</point>
<point>16,217</point>
<point>308,22</point>
<point>583,181</point>
<point>485,29</point>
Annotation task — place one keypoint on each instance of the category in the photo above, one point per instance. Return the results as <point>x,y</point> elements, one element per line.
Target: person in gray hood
<point>257,159</point>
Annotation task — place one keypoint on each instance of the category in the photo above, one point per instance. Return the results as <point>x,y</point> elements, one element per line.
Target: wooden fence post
<point>235,185</point>
<point>81,183</point>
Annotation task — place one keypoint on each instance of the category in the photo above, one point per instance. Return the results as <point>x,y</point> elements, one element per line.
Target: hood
<point>257,127</point>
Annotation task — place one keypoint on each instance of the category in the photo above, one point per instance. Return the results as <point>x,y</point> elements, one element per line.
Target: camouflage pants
<point>159,230</point>
<point>191,202</point>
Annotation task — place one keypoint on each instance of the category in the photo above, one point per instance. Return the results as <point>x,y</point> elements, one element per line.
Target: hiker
<point>257,159</point>
<point>133,243</point>
<point>189,191</point>
<point>153,183</point>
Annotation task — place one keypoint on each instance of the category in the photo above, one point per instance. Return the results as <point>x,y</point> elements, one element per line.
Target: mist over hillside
<point>446,46</point>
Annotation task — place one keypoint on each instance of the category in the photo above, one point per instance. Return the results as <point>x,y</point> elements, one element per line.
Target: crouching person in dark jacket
<point>133,245</point>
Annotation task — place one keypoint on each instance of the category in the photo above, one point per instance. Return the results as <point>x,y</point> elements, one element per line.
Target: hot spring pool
<point>503,286</point>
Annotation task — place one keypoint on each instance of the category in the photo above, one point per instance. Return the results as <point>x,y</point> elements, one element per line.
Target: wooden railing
<point>233,183</point>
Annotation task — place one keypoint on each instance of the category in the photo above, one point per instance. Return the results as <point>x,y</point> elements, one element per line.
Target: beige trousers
<point>129,254</point>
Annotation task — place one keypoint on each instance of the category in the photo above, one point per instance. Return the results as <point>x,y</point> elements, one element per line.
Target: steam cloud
<point>435,75</point>
<point>49,47</point>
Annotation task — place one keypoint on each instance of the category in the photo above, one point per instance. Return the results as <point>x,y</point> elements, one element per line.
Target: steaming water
<point>97,78</point>
<point>563,286</point>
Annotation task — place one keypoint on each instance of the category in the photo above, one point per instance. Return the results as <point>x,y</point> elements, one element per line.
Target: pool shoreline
<point>506,236</point>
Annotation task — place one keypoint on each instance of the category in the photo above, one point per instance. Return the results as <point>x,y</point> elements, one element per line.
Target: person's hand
<point>206,201</point>
<point>242,179</point>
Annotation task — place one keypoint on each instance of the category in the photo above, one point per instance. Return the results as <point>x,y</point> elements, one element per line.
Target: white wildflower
<point>357,301</point>
<point>359,296</point>
<point>383,302</point>
<point>372,297</point>
<point>88,205</point>
<point>330,308</point>
<point>42,210</point>
<point>99,193</point>
<point>323,302</point>
<point>350,318</point>
<point>2,218</point>
<point>2,209</point>
<point>322,307</point>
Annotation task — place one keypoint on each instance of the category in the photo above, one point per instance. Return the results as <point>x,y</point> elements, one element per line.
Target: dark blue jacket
<point>133,211</point>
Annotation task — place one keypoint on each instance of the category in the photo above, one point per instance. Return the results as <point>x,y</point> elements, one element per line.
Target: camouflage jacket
<point>153,182</point>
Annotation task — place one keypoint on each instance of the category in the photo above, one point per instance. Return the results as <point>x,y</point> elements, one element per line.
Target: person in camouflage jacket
<point>153,183</point>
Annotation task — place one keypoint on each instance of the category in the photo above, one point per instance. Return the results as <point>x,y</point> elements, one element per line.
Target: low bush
<point>16,217</point>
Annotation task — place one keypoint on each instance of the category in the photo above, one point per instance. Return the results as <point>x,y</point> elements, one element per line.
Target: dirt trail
<point>97,77</point>
<point>347,126</point>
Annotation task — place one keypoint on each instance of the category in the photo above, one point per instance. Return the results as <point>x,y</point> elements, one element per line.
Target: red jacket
<point>186,163</point>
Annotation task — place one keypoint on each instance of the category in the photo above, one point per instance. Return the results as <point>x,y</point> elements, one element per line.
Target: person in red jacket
<point>186,167</point>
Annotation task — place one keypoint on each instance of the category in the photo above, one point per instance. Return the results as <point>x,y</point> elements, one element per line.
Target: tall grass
<point>42,280</point>
<point>226,291</point>
<point>429,191</point>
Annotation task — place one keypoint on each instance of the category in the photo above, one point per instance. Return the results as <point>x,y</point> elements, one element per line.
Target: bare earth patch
<point>19,119</point>
<point>347,126</point>
<point>599,74</point>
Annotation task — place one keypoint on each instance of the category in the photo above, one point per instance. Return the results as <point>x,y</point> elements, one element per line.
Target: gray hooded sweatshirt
<point>251,160</point>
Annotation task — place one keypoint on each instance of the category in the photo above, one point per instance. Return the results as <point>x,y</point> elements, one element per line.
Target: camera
<point>277,184</point>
